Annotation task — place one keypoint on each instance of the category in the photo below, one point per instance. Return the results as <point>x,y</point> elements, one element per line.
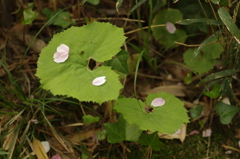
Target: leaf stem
<point>136,72</point>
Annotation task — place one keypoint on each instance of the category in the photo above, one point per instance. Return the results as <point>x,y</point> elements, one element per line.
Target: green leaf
<point>206,41</point>
<point>119,63</point>
<point>165,119</point>
<point>215,92</point>
<point>151,140</point>
<point>202,123</point>
<point>210,84</point>
<point>188,78</point>
<point>206,59</point>
<point>218,75</point>
<point>94,2</point>
<point>215,1</point>
<point>62,19</point>
<point>226,88</point>
<point>95,41</point>
<point>229,23</point>
<point>200,21</point>
<point>29,15</point>
<point>158,4</point>
<point>132,62</point>
<point>196,111</point>
<point>87,119</point>
<point>102,135</point>
<point>122,130</point>
<point>226,112</point>
<point>161,34</point>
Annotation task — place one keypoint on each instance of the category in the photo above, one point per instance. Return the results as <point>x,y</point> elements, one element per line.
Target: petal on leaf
<point>170,27</point>
<point>99,81</point>
<point>62,53</point>
<point>157,102</point>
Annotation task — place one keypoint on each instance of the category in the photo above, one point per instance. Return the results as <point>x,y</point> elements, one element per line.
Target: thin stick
<point>152,26</point>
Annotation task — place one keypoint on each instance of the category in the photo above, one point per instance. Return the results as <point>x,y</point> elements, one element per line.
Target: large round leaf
<point>165,119</point>
<point>96,41</point>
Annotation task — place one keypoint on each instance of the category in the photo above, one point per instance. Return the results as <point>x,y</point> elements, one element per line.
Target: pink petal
<point>194,132</point>
<point>178,131</point>
<point>56,157</point>
<point>62,53</point>
<point>158,102</point>
<point>99,81</point>
<point>207,132</point>
<point>228,152</point>
<point>170,27</point>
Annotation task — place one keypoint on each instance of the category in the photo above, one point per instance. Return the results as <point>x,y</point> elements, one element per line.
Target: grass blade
<point>137,5</point>
<point>229,23</point>
<point>200,21</point>
<point>218,75</point>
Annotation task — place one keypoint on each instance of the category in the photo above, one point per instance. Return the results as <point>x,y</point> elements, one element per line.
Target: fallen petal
<point>62,53</point>
<point>62,48</point>
<point>178,131</point>
<point>228,152</point>
<point>99,81</point>
<point>46,146</point>
<point>207,132</point>
<point>170,27</point>
<point>158,102</point>
<point>56,157</point>
<point>194,132</point>
<point>35,121</point>
<point>226,100</point>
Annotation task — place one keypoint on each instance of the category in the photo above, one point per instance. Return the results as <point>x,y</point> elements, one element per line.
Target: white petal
<point>226,100</point>
<point>62,53</point>
<point>158,102</point>
<point>99,81</point>
<point>60,57</point>
<point>62,48</point>
<point>170,27</point>
<point>46,146</point>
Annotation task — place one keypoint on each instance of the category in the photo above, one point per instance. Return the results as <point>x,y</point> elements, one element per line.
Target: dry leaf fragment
<point>39,149</point>
<point>181,136</point>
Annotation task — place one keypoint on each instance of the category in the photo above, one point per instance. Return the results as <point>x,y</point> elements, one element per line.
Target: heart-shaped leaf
<point>225,111</point>
<point>96,42</point>
<point>166,118</point>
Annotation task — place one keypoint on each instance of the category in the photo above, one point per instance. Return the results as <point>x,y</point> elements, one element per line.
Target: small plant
<point>73,64</point>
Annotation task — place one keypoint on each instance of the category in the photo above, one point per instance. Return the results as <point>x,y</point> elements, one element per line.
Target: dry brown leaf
<point>59,149</point>
<point>37,45</point>
<point>180,136</point>
<point>176,90</point>
<point>39,150</point>
<point>76,138</point>
<point>9,139</point>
